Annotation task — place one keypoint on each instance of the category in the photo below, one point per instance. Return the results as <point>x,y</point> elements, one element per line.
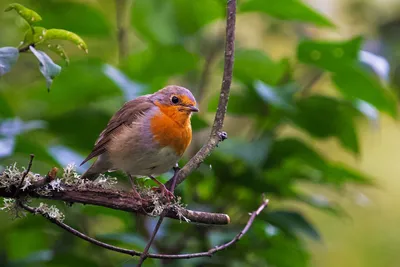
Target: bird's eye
<point>175,100</point>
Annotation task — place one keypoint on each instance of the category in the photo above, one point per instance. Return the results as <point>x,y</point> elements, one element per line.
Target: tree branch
<point>216,135</point>
<point>208,253</point>
<point>114,199</point>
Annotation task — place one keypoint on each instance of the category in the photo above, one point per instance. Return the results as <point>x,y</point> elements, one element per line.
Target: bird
<point>146,137</point>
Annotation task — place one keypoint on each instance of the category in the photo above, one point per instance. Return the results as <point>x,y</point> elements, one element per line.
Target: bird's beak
<point>193,109</point>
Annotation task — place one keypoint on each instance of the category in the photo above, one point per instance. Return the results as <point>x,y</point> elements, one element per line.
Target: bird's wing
<point>129,112</point>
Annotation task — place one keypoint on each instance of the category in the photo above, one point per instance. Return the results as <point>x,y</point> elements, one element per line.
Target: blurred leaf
<point>27,144</point>
<point>280,97</point>
<point>239,104</point>
<point>355,83</point>
<point>169,22</point>
<point>379,64</point>
<point>325,117</point>
<point>156,64</point>
<point>69,93</point>
<point>5,108</point>
<point>6,146</point>
<point>32,240</point>
<point>262,67</point>
<point>253,153</point>
<point>47,67</point>
<point>286,252</point>
<point>92,120</point>
<point>351,80</point>
<point>15,126</point>
<point>287,10</point>
<point>329,55</point>
<point>321,202</point>
<point>291,222</point>
<point>70,15</point>
<point>130,89</point>
<point>198,123</point>
<point>35,257</point>
<point>10,128</point>
<point>65,156</point>
<point>296,157</point>
<point>125,238</point>
<point>8,57</point>
<point>27,14</point>
<point>368,111</point>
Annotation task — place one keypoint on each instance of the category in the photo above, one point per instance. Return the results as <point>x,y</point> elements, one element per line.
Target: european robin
<point>146,137</point>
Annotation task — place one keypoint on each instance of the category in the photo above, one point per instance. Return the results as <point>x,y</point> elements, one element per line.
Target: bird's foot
<point>164,191</point>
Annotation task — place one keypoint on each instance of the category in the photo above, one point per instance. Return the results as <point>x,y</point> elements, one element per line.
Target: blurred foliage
<point>168,43</point>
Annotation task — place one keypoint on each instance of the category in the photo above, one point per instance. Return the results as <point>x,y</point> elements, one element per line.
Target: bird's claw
<point>164,191</point>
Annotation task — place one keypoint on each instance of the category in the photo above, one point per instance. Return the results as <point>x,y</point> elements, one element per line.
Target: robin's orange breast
<point>172,128</point>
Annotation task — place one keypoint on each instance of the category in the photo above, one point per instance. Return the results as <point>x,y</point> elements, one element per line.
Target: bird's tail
<point>101,165</point>
<point>90,174</point>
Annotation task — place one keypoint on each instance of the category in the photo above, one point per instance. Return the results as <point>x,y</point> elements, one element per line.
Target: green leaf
<point>39,35</point>
<point>8,57</point>
<point>262,67</point>
<point>293,10</point>
<point>291,222</point>
<point>47,67</point>
<point>168,22</point>
<point>58,34</point>
<point>27,14</point>
<point>332,56</point>
<point>33,35</point>
<point>355,83</point>
<point>325,117</point>
<point>59,50</point>
<point>78,17</point>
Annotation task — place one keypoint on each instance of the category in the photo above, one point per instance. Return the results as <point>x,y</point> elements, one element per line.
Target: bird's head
<point>175,101</point>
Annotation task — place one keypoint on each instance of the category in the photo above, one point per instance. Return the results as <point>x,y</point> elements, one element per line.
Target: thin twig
<point>143,257</point>
<point>208,253</point>
<point>24,175</point>
<point>205,74</point>
<point>309,85</point>
<point>122,15</point>
<point>216,135</point>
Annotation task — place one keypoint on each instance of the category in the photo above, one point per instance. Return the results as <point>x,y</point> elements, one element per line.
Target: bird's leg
<point>135,192</point>
<point>163,189</point>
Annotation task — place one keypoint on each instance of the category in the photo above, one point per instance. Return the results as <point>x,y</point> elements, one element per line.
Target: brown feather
<point>129,112</point>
